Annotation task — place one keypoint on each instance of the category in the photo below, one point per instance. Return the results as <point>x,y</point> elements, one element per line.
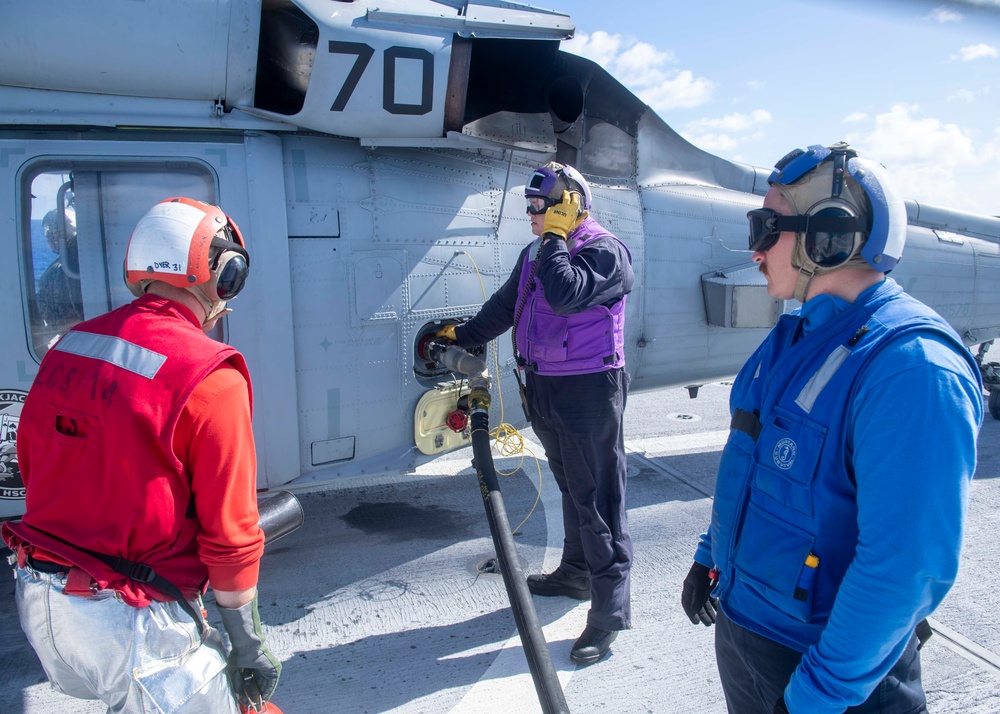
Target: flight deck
<point>387,599</point>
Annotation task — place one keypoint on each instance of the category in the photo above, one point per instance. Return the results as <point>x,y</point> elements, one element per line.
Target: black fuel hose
<point>536,650</point>
<point>280,514</point>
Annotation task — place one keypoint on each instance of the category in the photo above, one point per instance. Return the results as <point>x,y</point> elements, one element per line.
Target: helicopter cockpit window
<point>56,268</point>
<point>79,219</point>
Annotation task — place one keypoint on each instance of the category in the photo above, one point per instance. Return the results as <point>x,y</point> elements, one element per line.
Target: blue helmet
<point>853,206</point>
<point>549,182</point>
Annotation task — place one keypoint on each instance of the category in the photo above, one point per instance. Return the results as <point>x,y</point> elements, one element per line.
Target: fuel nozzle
<point>451,356</point>
<point>454,358</point>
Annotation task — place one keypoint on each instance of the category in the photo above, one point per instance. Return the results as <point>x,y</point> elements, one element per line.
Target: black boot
<point>591,646</point>
<point>559,583</point>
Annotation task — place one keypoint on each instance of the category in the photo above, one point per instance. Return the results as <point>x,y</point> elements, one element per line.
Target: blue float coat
<point>907,436</point>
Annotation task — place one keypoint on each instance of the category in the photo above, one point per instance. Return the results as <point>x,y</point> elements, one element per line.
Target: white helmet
<point>60,227</point>
<point>549,181</point>
<point>191,245</point>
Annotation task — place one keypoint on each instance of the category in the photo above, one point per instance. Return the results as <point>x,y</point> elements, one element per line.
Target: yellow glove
<point>564,217</point>
<point>447,332</point>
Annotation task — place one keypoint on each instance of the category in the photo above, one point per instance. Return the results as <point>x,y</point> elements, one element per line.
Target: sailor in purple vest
<point>565,301</point>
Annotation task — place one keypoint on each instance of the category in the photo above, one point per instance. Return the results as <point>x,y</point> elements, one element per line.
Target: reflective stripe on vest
<point>114,350</point>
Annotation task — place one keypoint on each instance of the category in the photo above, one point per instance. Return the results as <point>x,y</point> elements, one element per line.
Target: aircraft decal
<point>11,486</point>
<point>364,54</point>
<point>390,55</point>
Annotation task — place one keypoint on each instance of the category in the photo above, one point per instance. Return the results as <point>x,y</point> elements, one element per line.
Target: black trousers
<point>578,419</point>
<point>755,671</point>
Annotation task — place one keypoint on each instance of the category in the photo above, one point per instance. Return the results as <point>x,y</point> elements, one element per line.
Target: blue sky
<point>913,84</point>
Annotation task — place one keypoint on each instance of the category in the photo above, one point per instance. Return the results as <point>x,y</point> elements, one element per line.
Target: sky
<point>914,84</point>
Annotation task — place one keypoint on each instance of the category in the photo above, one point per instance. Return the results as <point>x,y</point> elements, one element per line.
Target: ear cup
<point>831,249</point>
<point>230,274</point>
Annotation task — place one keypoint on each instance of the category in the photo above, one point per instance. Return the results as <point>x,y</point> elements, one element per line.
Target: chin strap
<point>802,284</point>
<point>213,308</point>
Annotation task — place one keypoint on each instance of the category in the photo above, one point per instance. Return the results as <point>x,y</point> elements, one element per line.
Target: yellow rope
<point>507,440</point>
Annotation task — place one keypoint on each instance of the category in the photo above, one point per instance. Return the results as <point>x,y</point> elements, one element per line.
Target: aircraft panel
<point>392,81</point>
<point>986,318</point>
<point>690,230</point>
<point>377,286</point>
<point>946,269</point>
<point>252,190</point>
<point>190,38</point>
<point>664,156</point>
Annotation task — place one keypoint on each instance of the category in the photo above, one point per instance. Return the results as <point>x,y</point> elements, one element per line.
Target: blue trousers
<point>578,419</point>
<point>755,671</point>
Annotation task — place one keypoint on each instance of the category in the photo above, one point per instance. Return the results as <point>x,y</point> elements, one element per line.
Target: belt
<point>45,566</point>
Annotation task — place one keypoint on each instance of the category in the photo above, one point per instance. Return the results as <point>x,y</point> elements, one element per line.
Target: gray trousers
<point>135,660</point>
<point>755,671</point>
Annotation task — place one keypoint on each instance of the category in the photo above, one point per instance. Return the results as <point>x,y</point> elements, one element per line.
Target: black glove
<point>695,597</point>
<point>779,706</point>
<point>252,667</point>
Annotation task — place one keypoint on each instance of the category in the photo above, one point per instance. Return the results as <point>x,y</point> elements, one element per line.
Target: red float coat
<point>135,441</point>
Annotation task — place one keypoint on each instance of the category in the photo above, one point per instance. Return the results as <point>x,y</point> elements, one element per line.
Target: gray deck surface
<point>377,605</point>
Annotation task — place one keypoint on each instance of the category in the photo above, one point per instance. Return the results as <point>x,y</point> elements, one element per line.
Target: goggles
<point>542,181</point>
<point>537,205</point>
<point>229,269</point>
<point>766,226</point>
<point>826,232</point>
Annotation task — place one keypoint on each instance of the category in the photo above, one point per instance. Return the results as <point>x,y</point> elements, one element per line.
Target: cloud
<point>715,142</point>
<point>925,155</point>
<point>943,14</point>
<point>600,47</point>
<point>966,95</point>
<point>644,69</point>
<point>732,122</point>
<point>729,132</point>
<point>974,52</point>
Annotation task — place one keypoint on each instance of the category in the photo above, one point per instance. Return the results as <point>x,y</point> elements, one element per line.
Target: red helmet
<point>173,243</point>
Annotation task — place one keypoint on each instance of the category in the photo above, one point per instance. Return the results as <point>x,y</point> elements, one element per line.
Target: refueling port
<point>426,369</point>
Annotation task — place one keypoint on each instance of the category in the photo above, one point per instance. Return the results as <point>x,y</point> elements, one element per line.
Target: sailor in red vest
<point>136,451</point>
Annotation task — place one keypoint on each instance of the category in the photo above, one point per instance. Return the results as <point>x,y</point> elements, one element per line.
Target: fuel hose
<point>536,650</point>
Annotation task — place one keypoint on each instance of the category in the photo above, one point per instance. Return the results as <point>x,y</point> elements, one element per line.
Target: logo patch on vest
<point>784,454</point>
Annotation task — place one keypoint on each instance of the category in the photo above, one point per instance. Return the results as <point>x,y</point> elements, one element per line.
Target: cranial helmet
<point>190,245</point>
<point>848,212</point>
<point>549,181</point>
<point>60,226</point>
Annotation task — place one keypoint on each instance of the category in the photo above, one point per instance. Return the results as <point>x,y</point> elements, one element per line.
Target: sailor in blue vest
<point>565,301</point>
<point>841,494</point>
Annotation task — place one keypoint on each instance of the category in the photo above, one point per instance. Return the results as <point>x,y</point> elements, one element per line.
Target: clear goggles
<point>229,269</point>
<point>538,205</point>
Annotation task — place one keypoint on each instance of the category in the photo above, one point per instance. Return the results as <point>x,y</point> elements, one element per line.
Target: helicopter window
<point>77,221</point>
